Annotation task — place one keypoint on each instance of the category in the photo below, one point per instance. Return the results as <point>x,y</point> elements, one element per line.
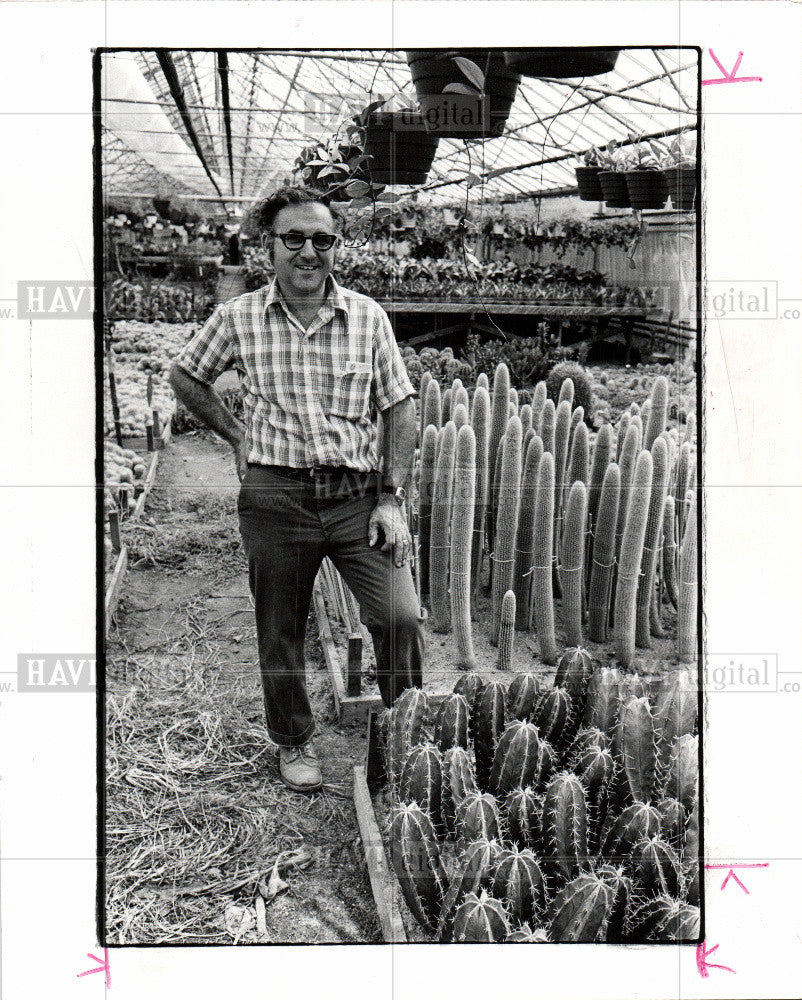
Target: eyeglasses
<point>296,241</point>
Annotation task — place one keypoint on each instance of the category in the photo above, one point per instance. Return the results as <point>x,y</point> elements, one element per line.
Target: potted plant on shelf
<point>679,170</point>
<point>561,63</point>
<point>645,181</point>
<point>587,176</point>
<point>611,176</point>
<point>463,93</point>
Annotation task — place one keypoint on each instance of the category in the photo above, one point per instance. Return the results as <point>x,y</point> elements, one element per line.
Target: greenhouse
<point>400,389</point>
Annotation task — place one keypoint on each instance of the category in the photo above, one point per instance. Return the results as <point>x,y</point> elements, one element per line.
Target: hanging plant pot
<point>647,188</point>
<point>587,180</point>
<point>614,189</point>
<point>561,63</point>
<point>402,150</point>
<point>461,113</point>
<point>681,183</point>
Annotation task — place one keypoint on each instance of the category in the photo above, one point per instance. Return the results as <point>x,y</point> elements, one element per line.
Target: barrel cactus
<point>519,884</point>
<point>488,722</point>
<point>516,757</point>
<point>458,780</point>
<point>637,749</point>
<point>658,867</point>
<point>581,381</point>
<point>475,873</point>
<point>524,811</point>
<point>664,919</point>
<point>603,699</point>
<point>554,716</point>
<point>477,817</point>
<point>404,730</point>
<point>417,863</point>
<point>451,725</point>
<point>637,822</point>
<point>528,935</point>
<point>480,919</point>
<point>582,910</point>
<point>683,771</point>
<point>521,694</point>
<point>565,825</point>
<point>422,780</point>
<point>574,670</point>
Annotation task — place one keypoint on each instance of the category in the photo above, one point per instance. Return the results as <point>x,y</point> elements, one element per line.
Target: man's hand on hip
<point>388,517</point>
<point>241,458</point>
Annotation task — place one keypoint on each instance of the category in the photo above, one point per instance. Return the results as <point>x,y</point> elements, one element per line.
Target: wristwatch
<point>399,494</point>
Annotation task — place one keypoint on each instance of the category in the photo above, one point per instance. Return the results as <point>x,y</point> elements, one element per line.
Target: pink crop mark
<point>102,966</point>
<point>703,965</point>
<point>731,873</point>
<point>730,77</point>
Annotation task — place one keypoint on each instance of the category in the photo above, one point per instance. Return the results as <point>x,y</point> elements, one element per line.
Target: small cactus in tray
<point>480,919</point>
<point>417,863</point>
<point>422,780</point>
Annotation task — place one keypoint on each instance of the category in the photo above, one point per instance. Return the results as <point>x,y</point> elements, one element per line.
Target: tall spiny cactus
<point>658,412</point>
<point>458,781</point>
<point>404,731</point>
<point>445,413</point>
<point>629,456</point>
<point>582,910</point>
<point>621,434</point>
<point>463,506</point>
<point>506,529</point>
<point>658,867</point>
<point>422,780</point>
<point>426,378</point>
<point>637,748</point>
<point>690,428</point>
<point>500,405</point>
<point>426,495</point>
<point>562,427</point>
<point>506,632</point>
<point>524,810</point>
<point>451,725</point>
<point>432,406</point>
<point>475,873</point>
<point>637,822</point>
<point>460,415</point>
<point>488,719</point>
<point>519,883</point>
<point>670,550</point>
<point>681,484</point>
<point>577,470</point>
<point>480,421</point>
<point>492,507</point>
<point>482,380</point>
<point>603,699</point>
<point>478,818</point>
<point>521,694</point>
<point>645,410</point>
<point>566,392</point>
<point>417,863</point>
<point>602,451</point>
<point>526,417</point>
<point>630,559</point>
<point>522,579</point>
<point>651,543</point>
<point>459,396</point>
<point>687,585</point>
<point>481,919</point>
<point>543,533</point>
<point>548,416</point>
<point>513,397</point>
<point>565,825</point>
<point>572,563</point>
<point>601,577</point>
<point>516,758</point>
<point>529,437</point>
<point>441,512</point>
<point>538,401</point>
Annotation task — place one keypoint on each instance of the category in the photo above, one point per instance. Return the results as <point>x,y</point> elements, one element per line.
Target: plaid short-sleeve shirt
<point>310,396</point>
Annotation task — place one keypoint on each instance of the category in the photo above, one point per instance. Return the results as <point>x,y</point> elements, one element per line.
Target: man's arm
<point>398,448</point>
<point>204,402</point>
<point>399,432</point>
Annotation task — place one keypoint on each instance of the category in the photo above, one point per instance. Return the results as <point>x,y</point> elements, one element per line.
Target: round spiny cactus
<point>416,860</point>
<point>477,817</point>
<point>663,919</point>
<point>582,910</point>
<point>636,822</point>
<point>480,919</point>
<point>553,715</point>
<point>526,935</point>
<point>524,811</point>
<point>458,781</point>
<point>516,757</point>
<point>451,725</point>
<point>422,780</point>
<point>565,825</point>
<point>657,866</point>
<point>519,883</point>
<point>603,699</point>
<point>521,694</point>
<point>488,719</point>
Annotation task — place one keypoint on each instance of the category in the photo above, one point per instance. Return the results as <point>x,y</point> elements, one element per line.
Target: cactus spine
<point>464,498</point>
<point>542,531</point>
<point>630,559</point>
<point>506,528</point>
<point>506,632</point>
<point>441,513</point>
<point>601,576</point>
<point>480,421</point>
<point>573,561</point>
<point>651,544</point>
<point>426,493</point>
<point>686,610</point>
<point>416,860</point>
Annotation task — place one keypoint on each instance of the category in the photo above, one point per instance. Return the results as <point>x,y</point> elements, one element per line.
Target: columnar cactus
<point>522,580</point>
<point>543,533</point>
<point>602,456</point>
<point>445,411</point>
<point>686,611</point>
<point>477,817</point>
<point>651,544</point>
<point>603,699</point>
<point>637,822</point>
<point>488,717</point>
<point>538,402</point>
<point>480,421</point>
<point>426,493</point>
<point>516,757</point>
<point>553,716</point>
<point>546,427</point>
<point>621,434</point>
<point>595,769</point>
<point>422,781</point>
<point>672,823</point>
<point>604,539</point>
<point>524,810</point>
<point>562,428</point>
<point>476,872</point>
<point>440,546</point>
<point>579,457</point>
<point>451,725</point>
<point>664,919</point>
<point>458,782</point>
<point>463,506</point>
<point>482,380</point>
<point>565,824</point>
<point>629,456</point>
<point>500,405</point>
<point>506,526</point>
<point>470,685</point>
<point>683,771</point>
<point>681,485</point>
<point>693,866</point>
<point>658,867</point>
<point>404,730</point>
<point>658,412</point>
<point>432,406</point>
<point>506,632</point>
<point>581,910</point>
<point>495,485</point>
<point>480,919</point>
<point>573,562</point>
<point>426,378</point>
<point>416,860</point>
<point>690,428</point>
<point>670,550</point>
<point>459,397</point>
<point>545,767</point>
<point>676,710</point>
<point>521,695</point>
<point>526,418</point>
<point>630,559</point>
<point>460,415</point>
<point>519,884</point>
<point>637,748</point>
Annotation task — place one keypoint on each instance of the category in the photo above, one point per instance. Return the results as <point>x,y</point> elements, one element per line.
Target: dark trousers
<point>286,533</point>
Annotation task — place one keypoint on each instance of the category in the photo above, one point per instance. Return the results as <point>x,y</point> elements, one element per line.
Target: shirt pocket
<point>351,396</point>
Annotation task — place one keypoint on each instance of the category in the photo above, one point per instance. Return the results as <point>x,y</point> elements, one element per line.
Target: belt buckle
<point>322,482</point>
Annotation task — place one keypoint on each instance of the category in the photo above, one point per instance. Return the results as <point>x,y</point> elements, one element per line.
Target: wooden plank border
<point>382,879</point>
<point>147,486</point>
<point>115,585</point>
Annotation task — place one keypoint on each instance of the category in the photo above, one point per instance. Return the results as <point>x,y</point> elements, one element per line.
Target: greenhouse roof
<point>223,127</point>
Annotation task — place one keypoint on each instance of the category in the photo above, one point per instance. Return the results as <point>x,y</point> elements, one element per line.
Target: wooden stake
<point>149,436</point>
<point>353,682</point>
<point>114,526</point>
<point>156,425</point>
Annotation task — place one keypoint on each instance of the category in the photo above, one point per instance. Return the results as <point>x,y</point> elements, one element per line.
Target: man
<point>315,362</point>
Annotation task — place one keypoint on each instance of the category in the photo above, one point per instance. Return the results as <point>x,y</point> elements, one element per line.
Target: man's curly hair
<point>262,216</point>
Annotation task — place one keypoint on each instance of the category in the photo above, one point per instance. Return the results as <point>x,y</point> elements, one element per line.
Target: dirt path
<point>196,815</point>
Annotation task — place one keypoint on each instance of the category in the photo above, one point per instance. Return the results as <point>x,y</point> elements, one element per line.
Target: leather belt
<point>329,481</point>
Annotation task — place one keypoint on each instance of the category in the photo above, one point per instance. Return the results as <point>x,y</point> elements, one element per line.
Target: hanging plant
<point>561,63</point>
<point>646,184</point>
